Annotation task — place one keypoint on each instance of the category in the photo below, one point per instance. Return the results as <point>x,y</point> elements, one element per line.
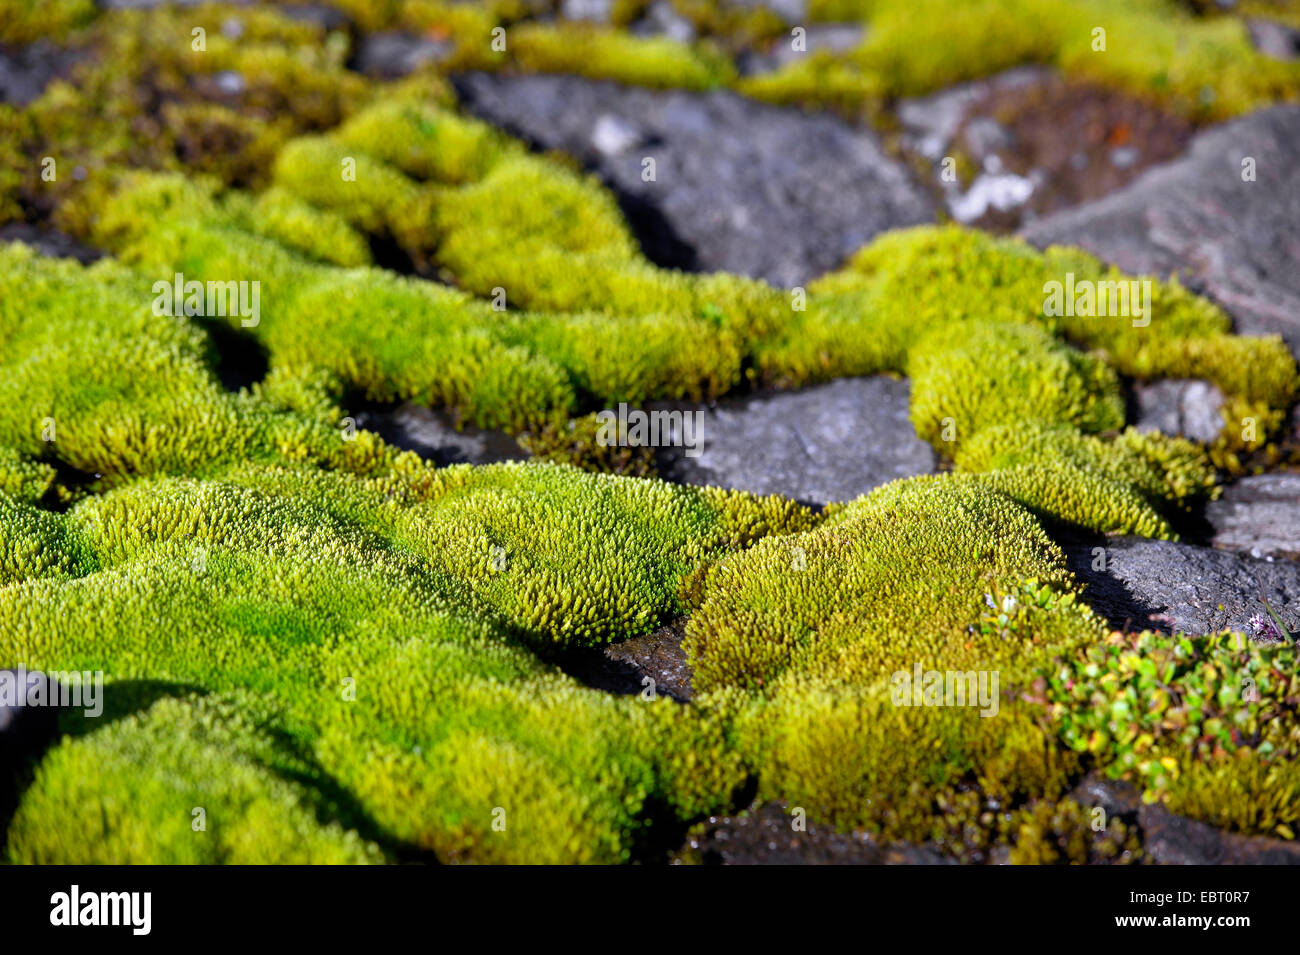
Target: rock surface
<point>764,834</point>
<point>1185,407</point>
<point>25,71</point>
<point>770,192</point>
<point>1259,515</point>
<point>391,54</point>
<point>1231,239</point>
<point>1169,839</point>
<point>49,242</point>
<point>832,442</point>
<point>432,434</point>
<point>1172,586</point>
<point>623,667</point>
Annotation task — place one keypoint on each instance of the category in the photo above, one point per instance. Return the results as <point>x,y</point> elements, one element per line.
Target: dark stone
<point>764,834</point>
<point>765,191</point>
<point>623,667</point>
<point>392,54</point>
<point>830,37</point>
<point>1169,839</point>
<point>1259,515</point>
<point>1229,239</point>
<point>432,434</point>
<point>833,442</point>
<point>1172,586</point>
<point>1185,407</point>
<point>49,242</point>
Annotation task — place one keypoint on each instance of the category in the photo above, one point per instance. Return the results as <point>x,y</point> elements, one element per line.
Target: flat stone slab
<point>625,666</point>
<point>832,442</point>
<point>1232,240</point>
<point>1171,586</point>
<point>1259,515</point>
<point>740,186</point>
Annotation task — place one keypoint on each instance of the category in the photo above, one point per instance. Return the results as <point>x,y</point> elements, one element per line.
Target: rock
<point>49,242</point>
<point>391,54</point>
<point>1185,407</point>
<point>596,11</point>
<point>766,191</point>
<point>832,442</point>
<point>26,71</point>
<point>661,19</point>
<point>1169,839</point>
<point>765,834</point>
<point>1001,192</point>
<point>1259,515</point>
<point>623,667</point>
<point>830,37</point>
<point>930,123</point>
<point>1231,239</point>
<point>1274,39</point>
<point>433,435</point>
<point>1171,586</point>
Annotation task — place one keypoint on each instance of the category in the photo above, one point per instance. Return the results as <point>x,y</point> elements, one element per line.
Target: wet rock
<point>746,187</point>
<point>1171,586</point>
<point>764,834</point>
<point>391,54</point>
<point>432,434</point>
<point>1259,515</point>
<point>832,442</point>
<point>1201,216</point>
<point>624,667</point>
<point>26,71</point>
<point>1186,407</point>
<point>1274,39</point>
<point>49,242</point>
<point>1169,839</point>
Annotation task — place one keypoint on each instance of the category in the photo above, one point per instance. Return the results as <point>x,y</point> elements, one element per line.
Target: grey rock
<point>432,434</point>
<point>1169,839</point>
<point>830,37</point>
<point>1259,515</point>
<point>1232,240</point>
<point>1172,586</point>
<point>660,19</point>
<point>613,136</point>
<point>746,187</point>
<point>26,71</point>
<point>1274,39</point>
<point>392,54</point>
<point>1186,407</point>
<point>596,11</point>
<point>834,442</point>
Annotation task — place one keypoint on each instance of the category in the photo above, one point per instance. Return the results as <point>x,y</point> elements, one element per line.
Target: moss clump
<point>1203,69</point>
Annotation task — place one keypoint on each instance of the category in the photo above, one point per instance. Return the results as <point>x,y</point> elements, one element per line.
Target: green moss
<point>26,21</point>
<point>1204,69</point>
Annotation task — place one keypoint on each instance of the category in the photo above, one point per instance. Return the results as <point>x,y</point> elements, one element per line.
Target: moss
<point>1206,70</point>
<point>26,21</point>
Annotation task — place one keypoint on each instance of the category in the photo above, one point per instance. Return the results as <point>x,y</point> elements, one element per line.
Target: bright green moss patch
<point>1206,69</point>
